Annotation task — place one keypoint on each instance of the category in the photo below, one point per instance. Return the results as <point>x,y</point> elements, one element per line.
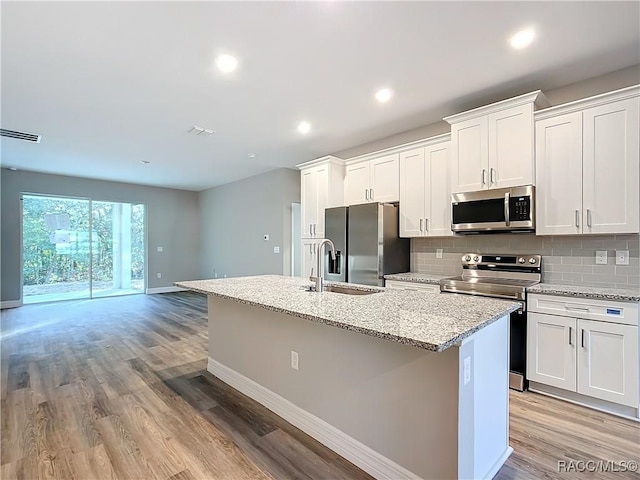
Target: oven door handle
<point>449,288</point>
<point>507,197</point>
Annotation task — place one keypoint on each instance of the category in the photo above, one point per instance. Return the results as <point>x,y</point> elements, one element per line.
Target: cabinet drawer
<point>613,311</point>
<point>423,287</point>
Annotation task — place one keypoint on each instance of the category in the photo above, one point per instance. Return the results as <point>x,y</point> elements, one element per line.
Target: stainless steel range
<point>502,276</point>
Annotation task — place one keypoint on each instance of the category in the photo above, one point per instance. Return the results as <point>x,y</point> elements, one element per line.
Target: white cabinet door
<point>412,193</point>
<point>551,350</point>
<point>308,258</point>
<point>611,168</point>
<point>309,196</point>
<point>322,179</point>
<point>608,361</point>
<point>469,155</point>
<point>511,147</point>
<point>357,184</point>
<point>559,175</point>
<point>384,179</point>
<point>437,190</point>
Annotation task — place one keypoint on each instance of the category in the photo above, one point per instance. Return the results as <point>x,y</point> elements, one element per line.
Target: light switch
<point>159,249</point>
<point>438,252</point>
<point>622,257</point>
<point>601,257</point>
<point>276,249</point>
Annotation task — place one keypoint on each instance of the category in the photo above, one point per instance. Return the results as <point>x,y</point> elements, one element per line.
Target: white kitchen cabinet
<point>492,146</point>
<point>309,258</point>
<point>551,350</point>
<point>585,346</point>
<point>588,166</point>
<point>374,180</point>
<point>425,198</point>
<point>322,186</point>
<point>412,286</point>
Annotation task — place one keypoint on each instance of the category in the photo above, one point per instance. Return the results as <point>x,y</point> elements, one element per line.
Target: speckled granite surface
<point>433,322</point>
<point>417,277</point>
<point>625,294</point>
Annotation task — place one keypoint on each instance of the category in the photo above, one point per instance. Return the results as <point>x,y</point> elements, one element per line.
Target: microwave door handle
<point>507,197</point>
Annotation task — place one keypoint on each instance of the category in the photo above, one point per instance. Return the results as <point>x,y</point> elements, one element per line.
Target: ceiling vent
<point>196,130</point>
<point>27,137</point>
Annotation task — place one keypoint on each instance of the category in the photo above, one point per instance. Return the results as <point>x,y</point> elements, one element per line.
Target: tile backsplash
<point>565,259</point>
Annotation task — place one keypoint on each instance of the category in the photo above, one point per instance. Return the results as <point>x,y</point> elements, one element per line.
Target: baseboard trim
<point>499,463</point>
<point>623,411</point>
<point>10,304</point>
<point>354,451</point>
<point>171,289</point>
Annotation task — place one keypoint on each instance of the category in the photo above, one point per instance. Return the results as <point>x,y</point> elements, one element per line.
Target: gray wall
<point>234,219</point>
<point>172,222</point>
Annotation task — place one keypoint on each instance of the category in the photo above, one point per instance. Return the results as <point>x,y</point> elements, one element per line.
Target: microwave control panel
<point>519,209</point>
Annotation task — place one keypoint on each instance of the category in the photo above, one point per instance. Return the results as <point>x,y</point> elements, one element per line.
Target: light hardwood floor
<point>118,388</point>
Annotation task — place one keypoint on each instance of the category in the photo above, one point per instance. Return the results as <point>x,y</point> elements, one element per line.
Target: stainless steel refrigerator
<point>368,244</point>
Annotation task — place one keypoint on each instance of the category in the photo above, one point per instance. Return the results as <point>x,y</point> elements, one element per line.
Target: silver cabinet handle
<point>420,224</point>
<point>577,218</point>
<point>507,198</point>
<point>582,341</point>
<point>366,194</point>
<point>371,194</point>
<point>491,175</point>
<point>573,307</point>
<point>314,228</point>
<point>426,224</point>
<point>589,217</point>
<point>484,174</point>
<point>310,231</point>
<point>570,335</point>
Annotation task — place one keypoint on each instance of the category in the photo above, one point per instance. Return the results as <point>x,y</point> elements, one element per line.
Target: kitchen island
<point>403,384</point>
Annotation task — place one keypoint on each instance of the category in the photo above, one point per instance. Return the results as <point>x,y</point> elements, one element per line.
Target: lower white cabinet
<point>596,358</point>
<point>402,285</point>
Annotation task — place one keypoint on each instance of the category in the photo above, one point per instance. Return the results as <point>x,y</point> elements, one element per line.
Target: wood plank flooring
<point>117,388</point>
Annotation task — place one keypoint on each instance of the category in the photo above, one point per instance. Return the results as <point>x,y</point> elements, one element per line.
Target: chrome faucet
<point>318,279</point>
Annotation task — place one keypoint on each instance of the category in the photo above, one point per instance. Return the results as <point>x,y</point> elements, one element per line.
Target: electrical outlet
<point>266,237</point>
<point>276,249</point>
<point>467,370</point>
<point>294,360</point>
<point>622,257</point>
<point>601,257</point>
<point>159,249</point>
<point>159,275</point>
<point>438,253</point>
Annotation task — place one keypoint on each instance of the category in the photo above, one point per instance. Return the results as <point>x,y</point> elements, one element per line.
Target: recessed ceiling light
<point>304,127</point>
<point>523,38</point>
<point>251,155</point>
<point>145,162</point>
<point>384,95</point>
<point>226,63</point>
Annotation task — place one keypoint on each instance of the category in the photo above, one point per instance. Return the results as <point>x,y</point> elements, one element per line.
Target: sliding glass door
<point>78,248</point>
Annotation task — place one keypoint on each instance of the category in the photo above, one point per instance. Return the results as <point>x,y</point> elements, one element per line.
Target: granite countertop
<point>417,277</point>
<point>432,322</point>
<point>602,293</point>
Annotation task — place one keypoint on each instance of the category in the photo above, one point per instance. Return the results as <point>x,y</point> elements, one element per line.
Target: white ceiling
<point>110,84</point>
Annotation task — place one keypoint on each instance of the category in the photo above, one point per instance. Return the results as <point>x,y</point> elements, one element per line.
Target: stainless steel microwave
<point>492,211</point>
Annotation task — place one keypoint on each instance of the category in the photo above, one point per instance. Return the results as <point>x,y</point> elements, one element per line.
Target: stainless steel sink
<point>348,290</point>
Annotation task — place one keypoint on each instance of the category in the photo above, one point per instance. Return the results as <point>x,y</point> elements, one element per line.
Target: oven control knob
<point>532,261</point>
<point>476,258</point>
<point>521,260</point>
<point>467,258</point>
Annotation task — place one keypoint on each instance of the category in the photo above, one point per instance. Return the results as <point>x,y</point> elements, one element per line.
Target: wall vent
<point>28,137</point>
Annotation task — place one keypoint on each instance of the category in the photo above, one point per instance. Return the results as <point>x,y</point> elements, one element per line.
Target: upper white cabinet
<point>588,165</point>
<point>375,180</point>
<point>425,196</point>
<point>322,187</point>
<point>492,146</point>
